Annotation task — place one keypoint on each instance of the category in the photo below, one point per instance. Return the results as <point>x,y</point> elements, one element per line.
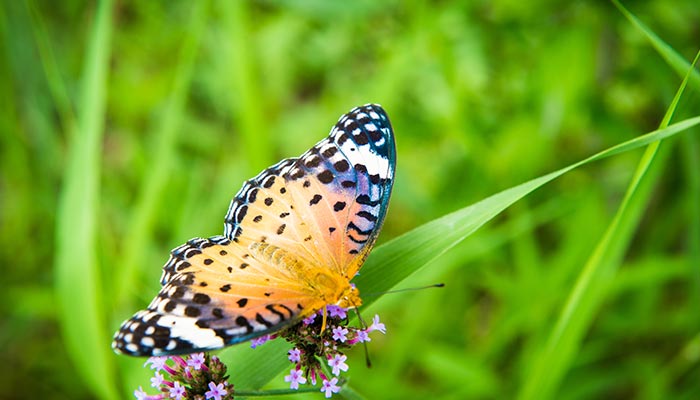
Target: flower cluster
<point>318,348</point>
<point>198,376</point>
<point>317,355</point>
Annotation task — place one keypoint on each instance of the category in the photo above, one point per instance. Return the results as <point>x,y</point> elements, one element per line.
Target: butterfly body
<point>294,237</point>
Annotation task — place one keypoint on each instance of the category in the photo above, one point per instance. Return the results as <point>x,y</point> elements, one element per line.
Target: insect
<point>294,237</point>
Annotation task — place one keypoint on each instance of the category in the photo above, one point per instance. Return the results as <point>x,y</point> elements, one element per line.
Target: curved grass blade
<point>673,59</point>
<point>78,280</point>
<point>397,259</point>
<point>392,262</point>
<point>689,148</point>
<point>591,286</point>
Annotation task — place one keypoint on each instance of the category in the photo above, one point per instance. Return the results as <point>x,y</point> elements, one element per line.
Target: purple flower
<point>338,364</point>
<point>330,387</point>
<point>259,341</point>
<point>363,336</point>
<point>337,311</point>
<point>294,355</point>
<point>310,319</point>
<point>313,376</point>
<point>196,361</point>
<point>215,391</point>
<point>294,378</point>
<point>376,325</point>
<point>157,380</point>
<point>177,392</point>
<point>140,394</point>
<point>157,363</point>
<point>179,360</point>
<point>340,334</point>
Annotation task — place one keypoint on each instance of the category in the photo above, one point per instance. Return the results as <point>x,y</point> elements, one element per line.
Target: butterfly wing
<point>217,293</point>
<point>329,203</point>
<point>321,210</point>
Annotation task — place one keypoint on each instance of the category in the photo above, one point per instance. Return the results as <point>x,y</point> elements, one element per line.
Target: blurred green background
<point>126,128</point>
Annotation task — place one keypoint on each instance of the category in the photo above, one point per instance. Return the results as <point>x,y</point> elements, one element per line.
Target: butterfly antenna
<point>323,324</point>
<point>363,325</point>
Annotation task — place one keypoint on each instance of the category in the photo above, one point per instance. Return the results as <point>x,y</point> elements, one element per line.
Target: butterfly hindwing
<point>319,213</point>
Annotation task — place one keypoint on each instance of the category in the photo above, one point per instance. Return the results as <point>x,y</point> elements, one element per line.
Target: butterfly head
<point>349,297</point>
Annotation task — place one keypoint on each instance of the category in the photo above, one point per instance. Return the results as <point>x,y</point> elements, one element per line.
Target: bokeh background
<point>121,140</point>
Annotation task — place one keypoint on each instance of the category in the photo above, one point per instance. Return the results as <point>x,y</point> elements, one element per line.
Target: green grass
<point>127,128</point>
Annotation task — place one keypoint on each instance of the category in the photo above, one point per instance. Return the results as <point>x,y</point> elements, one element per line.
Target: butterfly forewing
<point>333,198</point>
<point>319,212</point>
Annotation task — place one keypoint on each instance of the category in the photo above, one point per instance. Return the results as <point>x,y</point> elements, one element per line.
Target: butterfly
<point>294,237</point>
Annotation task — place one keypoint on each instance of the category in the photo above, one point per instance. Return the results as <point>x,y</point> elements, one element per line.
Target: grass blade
<point>77,273</point>
<point>590,288</point>
<point>392,262</point>
<point>57,87</point>
<point>674,60</point>
<point>162,161</point>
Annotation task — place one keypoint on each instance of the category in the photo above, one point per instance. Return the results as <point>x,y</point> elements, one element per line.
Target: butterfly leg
<point>323,323</point>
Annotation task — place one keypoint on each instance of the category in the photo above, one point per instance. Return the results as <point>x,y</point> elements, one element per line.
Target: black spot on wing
<point>243,322</point>
<point>261,320</point>
<point>366,200</point>
<point>341,166</point>
<point>352,226</point>
<point>325,177</point>
<point>271,308</point>
<point>201,298</point>
<point>315,200</point>
<point>367,215</point>
<point>192,311</point>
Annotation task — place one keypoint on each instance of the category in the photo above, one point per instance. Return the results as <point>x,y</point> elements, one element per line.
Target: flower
<point>178,392</point>
<point>330,387</point>
<point>196,361</point>
<point>294,378</point>
<point>140,394</point>
<point>157,380</point>
<point>294,355</point>
<point>179,361</point>
<point>338,363</point>
<point>376,325</point>
<point>313,377</point>
<point>215,391</point>
<point>337,311</point>
<point>340,334</point>
<point>157,363</point>
<point>310,319</point>
<point>363,336</point>
<point>259,341</point>
<point>188,378</point>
